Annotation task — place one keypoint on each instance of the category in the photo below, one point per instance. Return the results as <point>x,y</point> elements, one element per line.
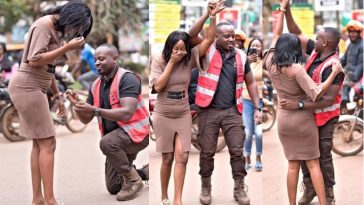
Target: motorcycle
<point>70,119</point>
<point>10,124</point>
<point>9,119</point>
<point>194,128</point>
<point>348,132</point>
<point>269,112</point>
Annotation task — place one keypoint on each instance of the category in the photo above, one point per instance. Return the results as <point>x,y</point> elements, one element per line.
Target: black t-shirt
<point>338,79</point>
<point>129,87</point>
<point>193,86</point>
<point>225,92</point>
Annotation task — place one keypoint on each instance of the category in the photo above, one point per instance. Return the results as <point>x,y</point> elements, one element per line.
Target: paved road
<point>222,182</point>
<point>348,171</point>
<point>79,170</point>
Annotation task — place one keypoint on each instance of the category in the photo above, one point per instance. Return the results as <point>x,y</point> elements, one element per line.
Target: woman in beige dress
<point>297,129</point>
<point>171,74</point>
<point>27,89</point>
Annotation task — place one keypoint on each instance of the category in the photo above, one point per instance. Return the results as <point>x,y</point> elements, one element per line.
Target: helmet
<point>354,26</point>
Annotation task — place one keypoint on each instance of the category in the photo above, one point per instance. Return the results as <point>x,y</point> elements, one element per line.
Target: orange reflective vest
<point>138,125</point>
<point>325,114</point>
<point>209,79</point>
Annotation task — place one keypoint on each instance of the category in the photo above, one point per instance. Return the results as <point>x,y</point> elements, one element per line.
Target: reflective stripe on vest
<point>239,86</point>
<point>138,125</point>
<point>209,79</point>
<point>205,91</point>
<point>210,76</point>
<point>328,109</point>
<point>239,101</point>
<point>325,114</point>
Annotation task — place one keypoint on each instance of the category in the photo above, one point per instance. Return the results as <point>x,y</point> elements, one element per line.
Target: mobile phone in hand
<point>252,51</point>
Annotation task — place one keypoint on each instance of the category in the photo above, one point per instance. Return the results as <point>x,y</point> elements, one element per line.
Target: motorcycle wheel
<point>269,117</point>
<point>220,141</point>
<point>73,123</point>
<point>10,125</point>
<point>347,148</point>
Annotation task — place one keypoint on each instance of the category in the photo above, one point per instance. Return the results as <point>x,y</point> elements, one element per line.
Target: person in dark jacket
<point>352,61</point>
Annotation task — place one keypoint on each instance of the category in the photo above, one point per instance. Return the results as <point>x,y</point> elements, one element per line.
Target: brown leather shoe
<point>309,192</point>
<point>240,192</point>
<point>131,186</point>
<point>205,196</point>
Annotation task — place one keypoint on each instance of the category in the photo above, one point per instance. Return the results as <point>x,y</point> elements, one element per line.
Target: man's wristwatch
<point>97,112</point>
<point>300,104</point>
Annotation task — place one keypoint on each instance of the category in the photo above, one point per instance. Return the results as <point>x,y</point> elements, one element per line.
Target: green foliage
<point>111,15</point>
<point>12,10</point>
<point>135,67</point>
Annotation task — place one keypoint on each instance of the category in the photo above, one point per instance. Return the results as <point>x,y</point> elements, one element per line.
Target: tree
<point>111,15</point>
<point>12,11</point>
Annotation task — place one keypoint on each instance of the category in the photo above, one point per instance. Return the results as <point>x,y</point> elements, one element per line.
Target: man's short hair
<point>221,24</point>
<point>333,34</point>
<point>111,47</point>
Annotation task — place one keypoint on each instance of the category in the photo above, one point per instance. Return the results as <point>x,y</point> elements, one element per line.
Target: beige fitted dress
<point>172,116</point>
<point>29,85</point>
<point>297,129</point>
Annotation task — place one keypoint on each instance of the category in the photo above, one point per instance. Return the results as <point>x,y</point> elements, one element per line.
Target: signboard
<point>164,18</point>
<point>164,1</point>
<point>197,3</point>
<point>305,18</point>
<point>303,15</point>
<point>231,15</point>
<point>358,15</point>
<point>203,3</point>
<point>329,5</point>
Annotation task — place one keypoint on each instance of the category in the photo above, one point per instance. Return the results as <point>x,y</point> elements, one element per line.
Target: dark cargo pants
<point>120,153</point>
<point>209,123</point>
<point>325,143</point>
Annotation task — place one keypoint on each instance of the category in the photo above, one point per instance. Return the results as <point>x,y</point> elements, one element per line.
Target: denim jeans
<point>251,129</point>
